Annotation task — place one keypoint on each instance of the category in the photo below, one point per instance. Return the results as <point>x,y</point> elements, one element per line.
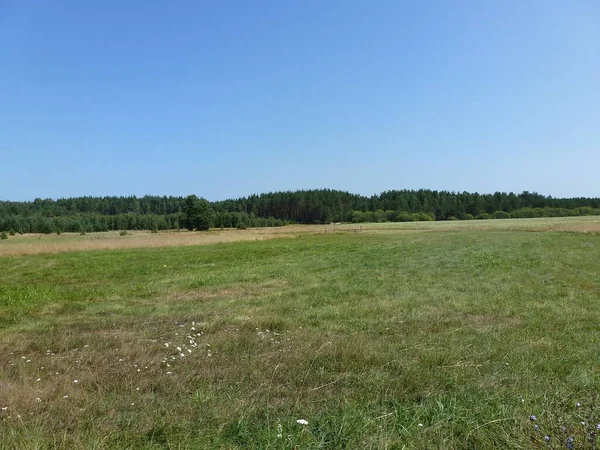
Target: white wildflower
<point>75,381</point>
<point>302,421</point>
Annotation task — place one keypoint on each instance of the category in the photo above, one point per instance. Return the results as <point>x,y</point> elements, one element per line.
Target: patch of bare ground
<point>482,322</point>
<point>240,292</point>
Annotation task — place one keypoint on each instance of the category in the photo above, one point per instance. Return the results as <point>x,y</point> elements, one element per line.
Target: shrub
<point>3,235</point>
<point>426,217</point>
<point>123,233</point>
<point>484,216</point>
<point>501,215</point>
<point>11,232</point>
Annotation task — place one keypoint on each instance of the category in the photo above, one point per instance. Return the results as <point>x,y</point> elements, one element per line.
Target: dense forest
<point>82,214</point>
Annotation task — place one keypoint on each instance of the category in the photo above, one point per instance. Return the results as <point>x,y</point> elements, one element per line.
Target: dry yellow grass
<point>68,242</point>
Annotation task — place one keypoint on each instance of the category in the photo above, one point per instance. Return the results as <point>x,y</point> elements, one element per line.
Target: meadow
<point>430,335</point>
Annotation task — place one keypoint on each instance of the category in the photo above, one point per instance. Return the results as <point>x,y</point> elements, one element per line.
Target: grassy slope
<point>364,336</point>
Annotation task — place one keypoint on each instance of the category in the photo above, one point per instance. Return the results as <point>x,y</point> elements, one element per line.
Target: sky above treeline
<point>224,99</point>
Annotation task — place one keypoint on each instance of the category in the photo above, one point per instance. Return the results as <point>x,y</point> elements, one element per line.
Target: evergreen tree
<point>199,215</point>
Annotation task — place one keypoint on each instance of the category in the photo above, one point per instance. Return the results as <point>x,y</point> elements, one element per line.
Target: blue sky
<point>224,99</point>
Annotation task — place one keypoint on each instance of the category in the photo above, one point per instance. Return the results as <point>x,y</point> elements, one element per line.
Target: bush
<point>154,230</point>
<point>11,232</point>
<point>82,232</point>
<point>501,215</point>
<point>484,216</point>
<point>123,233</point>
<point>3,235</point>
<point>468,217</point>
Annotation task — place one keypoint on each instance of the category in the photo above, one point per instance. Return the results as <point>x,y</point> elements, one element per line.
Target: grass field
<point>416,335</point>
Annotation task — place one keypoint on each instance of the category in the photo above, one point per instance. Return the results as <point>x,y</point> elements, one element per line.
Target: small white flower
<point>302,421</point>
<point>75,381</point>
<point>420,425</point>
<point>28,361</point>
<point>179,349</point>
<point>137,389</point>
<point>189,350</point>
<point>4,408</point>
<point>279,431</point>
<point>167,344</point>
<point>39,379</point>
<point>37,399</point>
<point>169,373</point>
<point>182,355</point>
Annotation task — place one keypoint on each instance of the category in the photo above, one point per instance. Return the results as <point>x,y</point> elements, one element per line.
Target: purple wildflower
<point>532,418</point>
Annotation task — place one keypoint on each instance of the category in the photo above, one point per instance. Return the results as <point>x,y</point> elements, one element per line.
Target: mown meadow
<point>418,338</point>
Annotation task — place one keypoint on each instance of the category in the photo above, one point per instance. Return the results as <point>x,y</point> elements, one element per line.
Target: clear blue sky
<point>228,98</point>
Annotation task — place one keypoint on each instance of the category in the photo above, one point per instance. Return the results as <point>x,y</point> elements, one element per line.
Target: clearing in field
<point>413,335</point>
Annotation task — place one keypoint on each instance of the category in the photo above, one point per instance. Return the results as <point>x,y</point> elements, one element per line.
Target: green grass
<point>448,339</point>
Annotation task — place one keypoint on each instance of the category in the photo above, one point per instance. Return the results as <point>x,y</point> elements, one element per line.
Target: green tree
<point>199,215</point>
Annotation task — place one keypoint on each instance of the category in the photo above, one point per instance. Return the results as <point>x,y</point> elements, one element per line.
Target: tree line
<point>82,214</point>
